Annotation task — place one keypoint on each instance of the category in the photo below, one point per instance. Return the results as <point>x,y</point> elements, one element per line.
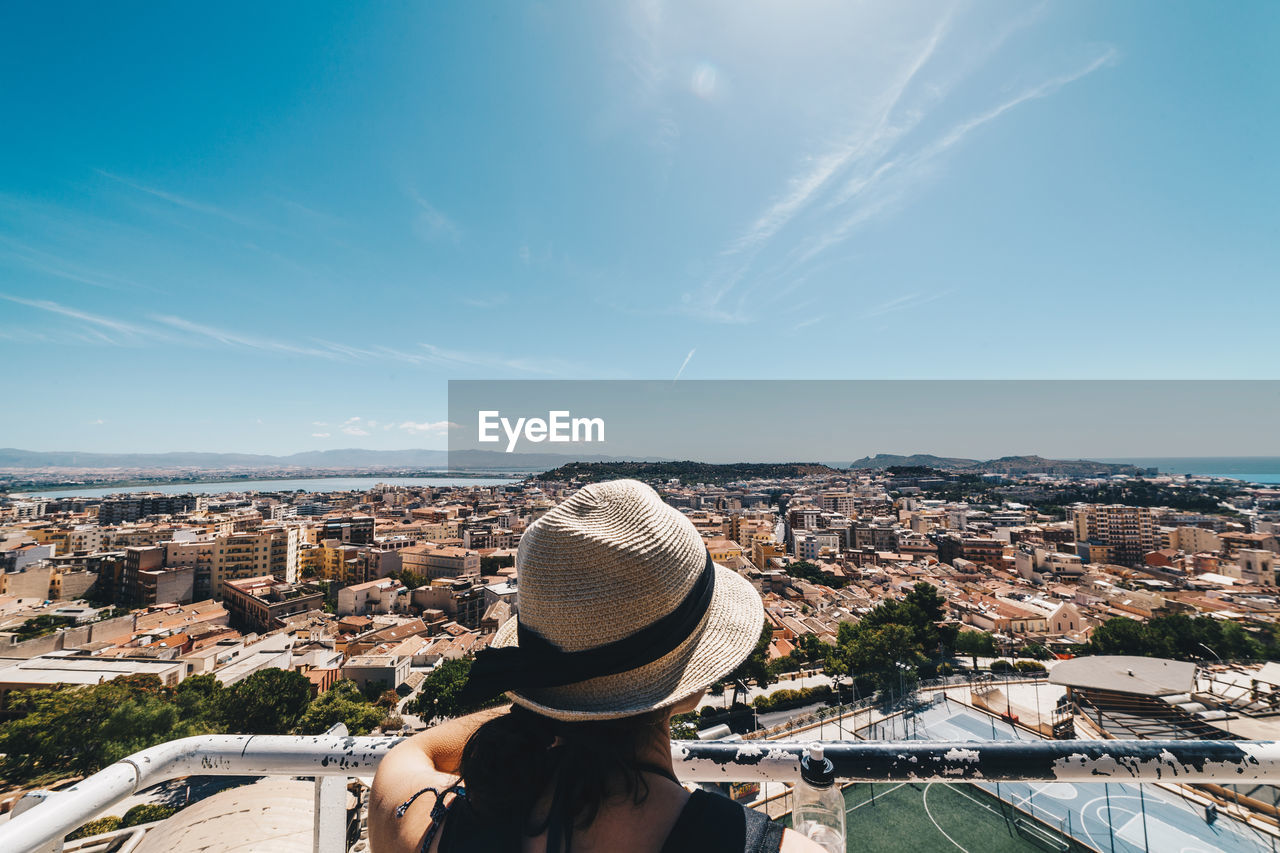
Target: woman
<point>623,621</point>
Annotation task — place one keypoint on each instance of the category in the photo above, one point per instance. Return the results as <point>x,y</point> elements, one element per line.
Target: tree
<point>684,726</point>
<point>341,703</point>
<point>876,652</point>
<point>931,603</point>
<point>79,730</point>
<point>805,570</point>
<point>975,643</point>
<point>411,579</point>
<point>756,667</point>
<point>491,565</point>
<point>201,698</point>
<point>1124,636</point>
<point>268,702</point>
<point>440,694</point>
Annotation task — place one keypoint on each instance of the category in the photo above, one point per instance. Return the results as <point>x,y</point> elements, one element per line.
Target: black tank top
<point>708,823</point>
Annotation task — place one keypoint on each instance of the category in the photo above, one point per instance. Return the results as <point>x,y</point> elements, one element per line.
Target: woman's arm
<point>426,760</point>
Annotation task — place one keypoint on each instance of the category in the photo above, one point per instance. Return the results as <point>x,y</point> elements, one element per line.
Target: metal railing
<point>41,820</point>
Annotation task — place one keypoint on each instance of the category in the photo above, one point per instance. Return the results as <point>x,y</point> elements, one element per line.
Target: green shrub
<point>146,813</point>
<point>1029,666</point>
<point>1001,666</point>
<point>782,700</point>
<point>96,827</point>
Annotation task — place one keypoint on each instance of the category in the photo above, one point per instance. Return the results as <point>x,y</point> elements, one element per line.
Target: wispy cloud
<point>894,179</point>
<point>804,324</point>
<point>485,302</point>
<point>237,339</point>
<point>51,264</point>
<point>95,328</point>
<point>428,427</point>
<point>441,355</point>
<point>431,223</point>
<point>684,364</point>
<point>100,327</point>
<point>355,426</point>
<point>320,435</point>
<point>648,64</point>
<point>867,142</point>
<point>182,201</point>
<point>863,176</point>
<point>804,186</point>
<point>904,302</point>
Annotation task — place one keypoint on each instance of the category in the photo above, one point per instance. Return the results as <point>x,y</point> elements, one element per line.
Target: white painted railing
<point>41,820</point>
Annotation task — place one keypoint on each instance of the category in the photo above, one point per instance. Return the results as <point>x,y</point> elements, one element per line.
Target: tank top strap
<point>710,823</point>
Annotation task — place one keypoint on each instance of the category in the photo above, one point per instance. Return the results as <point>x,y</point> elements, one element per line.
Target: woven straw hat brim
<point>723,639</point>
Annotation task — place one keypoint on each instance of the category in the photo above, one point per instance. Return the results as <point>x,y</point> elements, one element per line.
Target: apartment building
<point>1257,565</point>
<point>349,529</point>
<point>267,551</point>
<point>260,603</point>
<point>1130,531</point>
<point>353,564</point>
<point>810,545</point>
<point>377,596</point>
<point>432,560</point>
<point>487,537</point>
<point>124,509</point>
<point>163,585</point>
<point>462,600</point>
<point>844,503</point>
<point>1194,540</point>
<point>82,538</point>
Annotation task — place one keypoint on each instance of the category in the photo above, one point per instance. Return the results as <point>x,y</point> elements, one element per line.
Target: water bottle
<point>819,805</point>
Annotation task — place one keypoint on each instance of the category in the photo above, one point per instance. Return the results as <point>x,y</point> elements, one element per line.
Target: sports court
<point>906,816</point>
<point>1112,817</point>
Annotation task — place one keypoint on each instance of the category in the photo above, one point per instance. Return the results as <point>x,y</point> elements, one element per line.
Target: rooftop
<point>1126,674</point>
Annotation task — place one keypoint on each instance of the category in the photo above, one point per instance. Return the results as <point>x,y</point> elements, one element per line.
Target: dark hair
<point>510,761</point>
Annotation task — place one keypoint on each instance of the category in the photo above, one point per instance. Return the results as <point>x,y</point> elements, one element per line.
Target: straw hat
<point>608,563</point>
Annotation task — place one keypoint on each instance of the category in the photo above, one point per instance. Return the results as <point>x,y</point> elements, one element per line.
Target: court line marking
<point>924,798</point>
<point>976,802</point>
<point>1026,798</point>
<point>864,802</point>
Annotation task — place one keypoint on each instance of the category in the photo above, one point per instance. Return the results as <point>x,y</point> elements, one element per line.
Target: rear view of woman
<point>623,621</point>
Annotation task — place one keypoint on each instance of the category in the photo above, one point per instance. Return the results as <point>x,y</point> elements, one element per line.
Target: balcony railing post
<point>330,821</point>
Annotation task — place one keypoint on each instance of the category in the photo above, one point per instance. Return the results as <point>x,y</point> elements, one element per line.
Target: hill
<point>915,460</point>
<point>1011,465</point>
<point>685,472</point>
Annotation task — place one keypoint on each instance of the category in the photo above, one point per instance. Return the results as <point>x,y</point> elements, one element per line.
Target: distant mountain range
<point>1013,465</point>
<point>347,458</point>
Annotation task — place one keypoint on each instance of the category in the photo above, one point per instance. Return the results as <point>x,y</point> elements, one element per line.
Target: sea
<point>1264,470</point>
<point>315,484</point>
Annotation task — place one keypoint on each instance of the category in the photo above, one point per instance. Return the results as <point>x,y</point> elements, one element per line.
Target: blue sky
<point>279,227</point>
